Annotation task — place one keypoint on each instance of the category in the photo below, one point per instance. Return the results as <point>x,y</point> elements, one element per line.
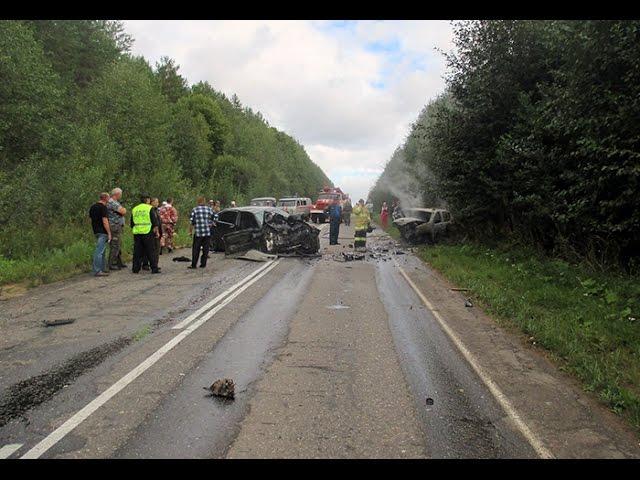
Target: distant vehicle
<point>296,205</point>
<point>320,211</point>
<point>423,224</point>
<point>269,229</point>
<point>263,202</point>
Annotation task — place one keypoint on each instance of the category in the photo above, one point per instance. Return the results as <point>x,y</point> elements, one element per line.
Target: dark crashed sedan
<point>268,229</point>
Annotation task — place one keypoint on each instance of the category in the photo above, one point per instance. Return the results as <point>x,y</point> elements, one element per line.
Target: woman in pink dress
<point>384,215</point>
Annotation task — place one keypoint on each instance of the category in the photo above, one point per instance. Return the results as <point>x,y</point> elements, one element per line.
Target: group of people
<point>153,228</point>
<point>340,212</point>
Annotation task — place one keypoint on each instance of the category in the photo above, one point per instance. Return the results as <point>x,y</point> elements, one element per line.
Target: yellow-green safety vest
<point>141,219</point>
<point>362,217</point>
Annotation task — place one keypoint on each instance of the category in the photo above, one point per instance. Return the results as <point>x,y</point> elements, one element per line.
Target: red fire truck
<point>320,211</point>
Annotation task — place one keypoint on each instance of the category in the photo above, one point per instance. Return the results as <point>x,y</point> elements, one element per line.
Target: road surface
<point>372,358</point>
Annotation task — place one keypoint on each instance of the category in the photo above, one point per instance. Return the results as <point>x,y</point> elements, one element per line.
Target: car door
<point>229,217</point>
<point>246,236</point>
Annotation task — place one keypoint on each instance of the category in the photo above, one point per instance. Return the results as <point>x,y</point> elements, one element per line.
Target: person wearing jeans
<point>100,223</point>
<point>100,254</point>
<point>201,221</point>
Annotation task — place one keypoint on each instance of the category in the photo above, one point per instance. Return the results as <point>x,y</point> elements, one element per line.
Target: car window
<point>437,218</point>
<point>287,203</point>
<point>248,220</point>
<point>229,217</point>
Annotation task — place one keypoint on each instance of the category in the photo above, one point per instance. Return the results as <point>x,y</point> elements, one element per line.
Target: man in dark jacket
<point>335,216</point>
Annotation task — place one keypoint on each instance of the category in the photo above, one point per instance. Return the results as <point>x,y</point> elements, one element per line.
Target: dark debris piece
<point>59,321</point>
<point>223,388</point>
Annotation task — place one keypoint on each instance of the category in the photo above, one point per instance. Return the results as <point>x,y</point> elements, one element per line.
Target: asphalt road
<point>372,358</point>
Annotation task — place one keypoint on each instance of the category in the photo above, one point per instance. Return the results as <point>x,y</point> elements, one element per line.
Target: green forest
<point>79,114</point>
<point>536,139</point>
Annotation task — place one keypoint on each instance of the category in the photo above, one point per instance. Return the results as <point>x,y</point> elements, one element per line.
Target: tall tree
<point>172,85</point>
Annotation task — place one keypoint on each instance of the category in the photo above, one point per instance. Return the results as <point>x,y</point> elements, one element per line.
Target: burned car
<point>423,224</point>
<point>268,229</point>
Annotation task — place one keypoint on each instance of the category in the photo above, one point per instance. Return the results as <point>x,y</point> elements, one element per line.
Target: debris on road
<point>468,303</point>
<point>182,259</point>
<point>59,321</point>
<point>222,388</point>
<point>429,401</point>
<point>349,257</point>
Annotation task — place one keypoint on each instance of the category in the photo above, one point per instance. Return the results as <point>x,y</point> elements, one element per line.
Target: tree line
<point>537,137</point>
<point>80,114</point>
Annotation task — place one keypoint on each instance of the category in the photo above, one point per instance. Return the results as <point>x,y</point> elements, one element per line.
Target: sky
<point>348,91</point>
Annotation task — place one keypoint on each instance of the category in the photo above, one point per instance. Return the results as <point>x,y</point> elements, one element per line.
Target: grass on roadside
<point>60,263</point>
<point>588,321</point>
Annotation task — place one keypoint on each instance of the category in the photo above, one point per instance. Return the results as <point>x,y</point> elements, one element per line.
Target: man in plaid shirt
<point>201,221</point>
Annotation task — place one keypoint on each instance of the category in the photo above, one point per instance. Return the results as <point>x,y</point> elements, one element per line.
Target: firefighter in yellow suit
<point>363,219</point>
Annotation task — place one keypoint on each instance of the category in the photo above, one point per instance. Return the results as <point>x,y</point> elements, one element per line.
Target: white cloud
<point>315,81</point>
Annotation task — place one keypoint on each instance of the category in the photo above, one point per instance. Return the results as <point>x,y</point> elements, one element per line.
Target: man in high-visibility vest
<point>363,219</point>
<point>145,229</point>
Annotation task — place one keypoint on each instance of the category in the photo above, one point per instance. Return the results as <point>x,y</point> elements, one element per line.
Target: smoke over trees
<point>537,138</point>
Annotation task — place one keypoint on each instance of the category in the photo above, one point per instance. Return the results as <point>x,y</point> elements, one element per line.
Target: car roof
<point>263,198</point>
<point>254,209</point>
<point>422,209</point>
<point>293,198</point>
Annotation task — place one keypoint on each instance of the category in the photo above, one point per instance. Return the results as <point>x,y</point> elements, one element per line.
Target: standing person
<point>346,211</point>
<point>100,223</point>
<point>363,219</point>
<point>335,215</point>
<point>169,218</point>
<point>145,227</point>
<point>155,215</point>
<point>116,224</point>
<point>384,215</point>
<point>201,220</point>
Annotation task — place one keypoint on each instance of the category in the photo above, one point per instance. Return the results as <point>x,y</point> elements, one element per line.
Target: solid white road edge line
<point>210,304</point>
<point>500,397</point>
<point>60,432</point>
<point>9,449</point>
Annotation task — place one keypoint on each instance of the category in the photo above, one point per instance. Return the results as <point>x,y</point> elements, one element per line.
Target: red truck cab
<point>320,210</point>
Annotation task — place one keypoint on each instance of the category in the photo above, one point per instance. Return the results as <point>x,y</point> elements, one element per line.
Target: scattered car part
<point>59,321</point>
<point>222,388</point>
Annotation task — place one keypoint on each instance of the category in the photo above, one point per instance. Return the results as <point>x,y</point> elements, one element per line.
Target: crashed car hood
<point>405,220</point>
<point>279,234</point>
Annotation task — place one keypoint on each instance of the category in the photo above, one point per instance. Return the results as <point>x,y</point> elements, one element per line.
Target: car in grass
<point>268,229</point>
<point>263,202</point>
<point>296,205</point>
<point>423,224</point>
